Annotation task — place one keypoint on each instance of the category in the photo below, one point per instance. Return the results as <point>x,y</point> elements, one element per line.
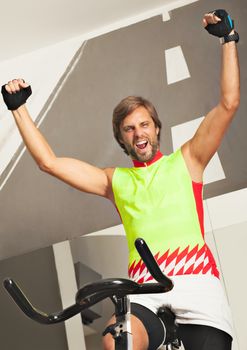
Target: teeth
<point>140,143</point>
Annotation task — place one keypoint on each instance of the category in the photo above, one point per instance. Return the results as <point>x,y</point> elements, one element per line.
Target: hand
<point>210,18</point>
<point>16,93</point>
<point>15,85</point>
<point>218,23</point>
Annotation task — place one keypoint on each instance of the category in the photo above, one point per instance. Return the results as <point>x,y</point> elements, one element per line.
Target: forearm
<point>33,139</point>
<point>230,76</point>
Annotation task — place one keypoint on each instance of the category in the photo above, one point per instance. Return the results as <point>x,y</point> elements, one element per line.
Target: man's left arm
<point>200,149</point>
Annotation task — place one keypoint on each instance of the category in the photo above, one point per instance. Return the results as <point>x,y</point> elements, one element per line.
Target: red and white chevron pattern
<point>188,261</point>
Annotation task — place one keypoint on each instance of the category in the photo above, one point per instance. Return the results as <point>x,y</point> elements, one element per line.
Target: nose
<point>138,132</point>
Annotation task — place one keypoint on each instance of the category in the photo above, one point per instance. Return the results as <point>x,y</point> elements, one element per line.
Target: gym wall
<point>36,210</point>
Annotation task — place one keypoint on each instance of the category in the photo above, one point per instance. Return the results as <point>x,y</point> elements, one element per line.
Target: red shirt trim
<point>197,189</point>
<point>138,164</point>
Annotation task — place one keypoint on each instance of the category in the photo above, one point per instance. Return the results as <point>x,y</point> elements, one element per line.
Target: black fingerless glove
<point>222,28</point>
<point>15,100</point>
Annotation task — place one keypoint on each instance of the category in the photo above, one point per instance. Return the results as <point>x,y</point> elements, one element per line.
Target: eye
<point>128,128</point>
<point>145,125</point>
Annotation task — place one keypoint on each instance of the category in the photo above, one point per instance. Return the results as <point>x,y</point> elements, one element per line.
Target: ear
<point>157,129</point>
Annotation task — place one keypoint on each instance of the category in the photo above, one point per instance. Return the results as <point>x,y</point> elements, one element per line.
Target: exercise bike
<point>117,289</point>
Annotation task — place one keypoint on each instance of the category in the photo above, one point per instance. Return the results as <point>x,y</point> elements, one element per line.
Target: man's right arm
<point>76,173</point>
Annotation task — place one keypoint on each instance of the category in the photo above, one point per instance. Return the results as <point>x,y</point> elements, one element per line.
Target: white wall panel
<point>68,288</point>
<point>207,221</point>
<point>181,133</point>
<point>228,209</point>
<point>231,243</point>
<point>43,69</point>
<point>176,65</point>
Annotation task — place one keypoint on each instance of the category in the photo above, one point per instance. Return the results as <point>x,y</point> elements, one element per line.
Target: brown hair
<point>126,107</point>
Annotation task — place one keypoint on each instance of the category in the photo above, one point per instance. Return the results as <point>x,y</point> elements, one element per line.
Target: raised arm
<point>199,150</point>
<point>76,173</point>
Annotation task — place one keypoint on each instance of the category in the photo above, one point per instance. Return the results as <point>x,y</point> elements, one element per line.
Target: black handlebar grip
<point>151,264</point>
<point>30,311</point>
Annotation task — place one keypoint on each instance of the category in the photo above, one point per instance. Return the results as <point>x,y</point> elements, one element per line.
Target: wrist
<point>232,36</point>
<point>22,107</point>
<point>20,112</point>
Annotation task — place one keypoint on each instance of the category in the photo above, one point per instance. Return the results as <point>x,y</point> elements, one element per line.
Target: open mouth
<point>142,144</point>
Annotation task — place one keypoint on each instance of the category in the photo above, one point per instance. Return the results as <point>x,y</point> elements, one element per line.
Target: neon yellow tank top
<point>157,203</point>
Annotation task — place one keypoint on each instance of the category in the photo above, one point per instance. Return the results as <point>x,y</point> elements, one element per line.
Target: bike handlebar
<point>29,310</point>
<point>151,264</point>
<point>95,292</point>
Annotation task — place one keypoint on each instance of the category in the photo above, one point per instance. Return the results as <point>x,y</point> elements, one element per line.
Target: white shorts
<point>195,299</point>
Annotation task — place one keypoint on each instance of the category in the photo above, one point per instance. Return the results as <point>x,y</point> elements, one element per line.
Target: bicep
<point>81,175</point>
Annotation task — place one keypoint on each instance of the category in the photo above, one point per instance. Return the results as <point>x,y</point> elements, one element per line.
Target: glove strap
<point>230,37</point>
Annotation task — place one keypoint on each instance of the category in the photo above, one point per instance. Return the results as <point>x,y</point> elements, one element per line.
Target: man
<point>159,199</point>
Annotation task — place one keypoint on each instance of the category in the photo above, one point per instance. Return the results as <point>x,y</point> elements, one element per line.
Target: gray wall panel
<point>127,61</point>
<point>36,275</point>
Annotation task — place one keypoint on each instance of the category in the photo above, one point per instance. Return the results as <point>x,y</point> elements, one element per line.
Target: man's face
<point>139,135</point>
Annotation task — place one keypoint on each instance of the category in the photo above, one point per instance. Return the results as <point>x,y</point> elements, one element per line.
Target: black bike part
<point>121,305</point>
<point>17,99</point>
<point>86,297</point>
<point>119,328</point>
<point>169,319</point>
<point>111,286</point>
<point>93,293</point>
<point>110,329</point>
<point>33,313</point>
<point>151,264</point>
<point>121,342</point>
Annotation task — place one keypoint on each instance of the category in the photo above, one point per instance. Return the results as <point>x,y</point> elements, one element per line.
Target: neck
<point>138,164</point>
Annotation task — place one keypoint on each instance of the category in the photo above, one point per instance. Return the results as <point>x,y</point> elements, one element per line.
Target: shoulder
<point>194,167</point>
<point>109,173</point>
